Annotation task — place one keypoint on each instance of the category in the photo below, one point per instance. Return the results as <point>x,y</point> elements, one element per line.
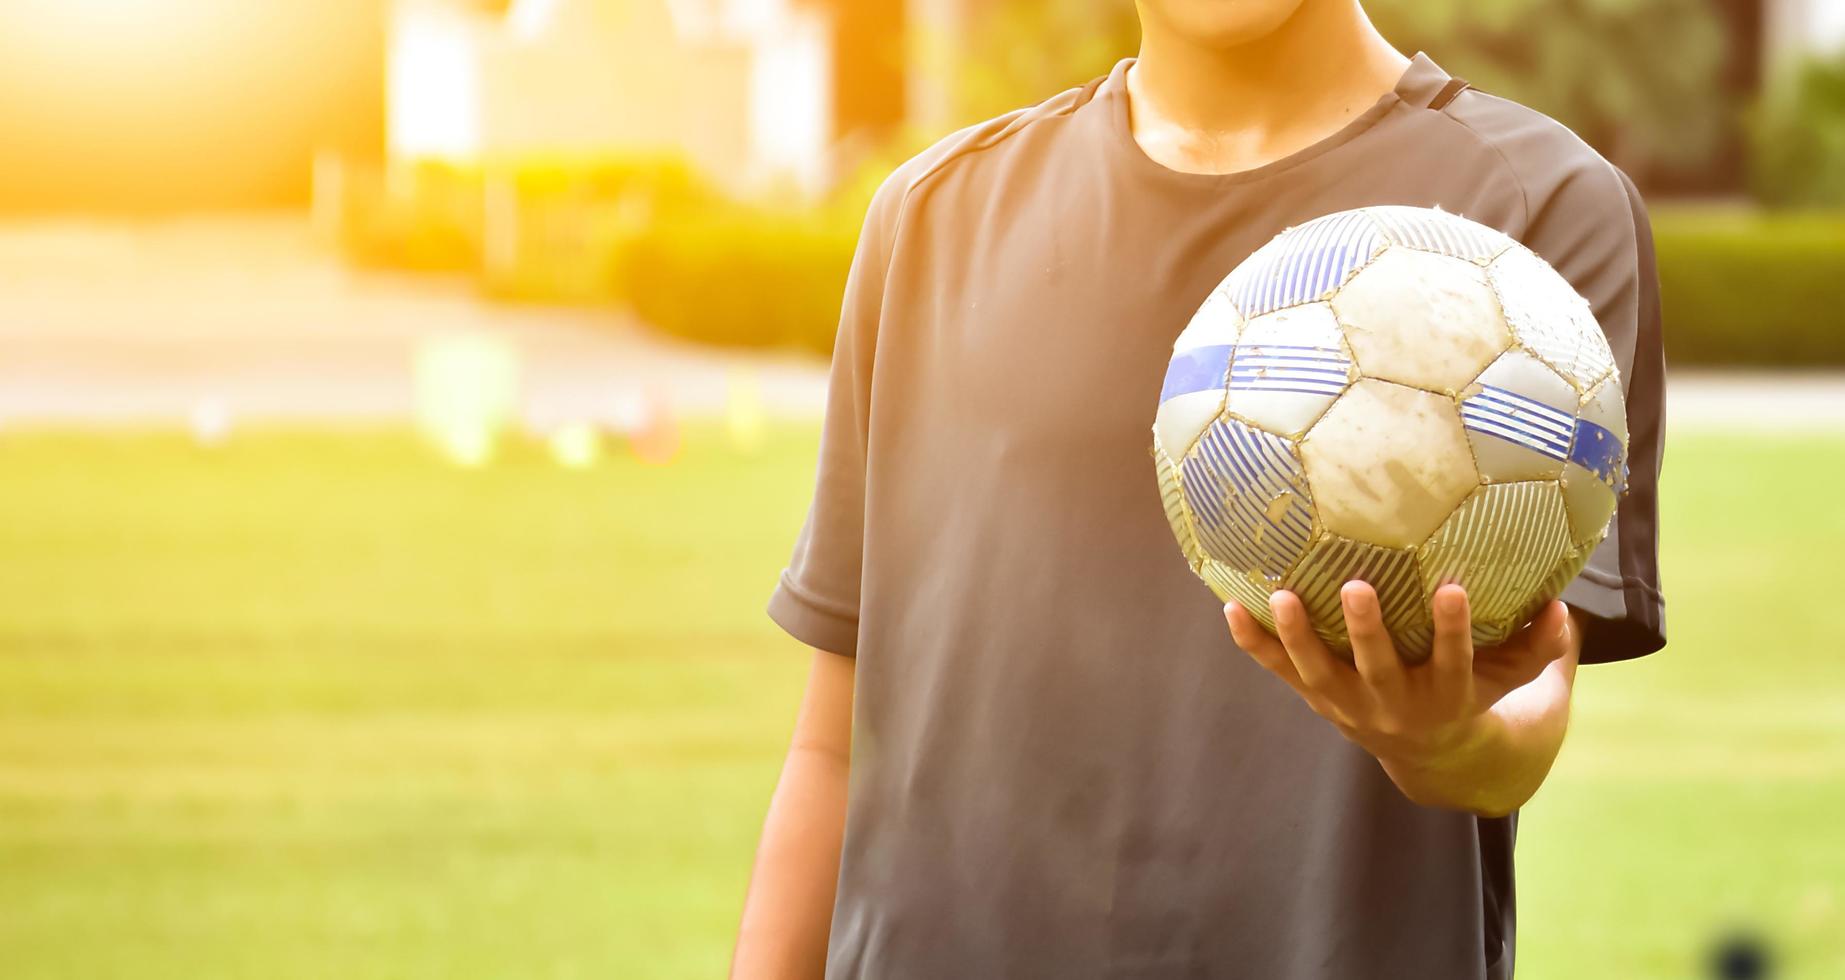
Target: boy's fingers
<point>1260,644</point>
<point>1373,653</point>
<point>1452,660</point>
<point>1315,664</point>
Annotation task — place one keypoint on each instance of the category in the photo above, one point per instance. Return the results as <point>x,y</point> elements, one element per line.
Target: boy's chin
<point>1220,23</point>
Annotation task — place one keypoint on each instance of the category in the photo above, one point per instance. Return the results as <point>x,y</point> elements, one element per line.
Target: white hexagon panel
<point>1520,418</point>
<point>1549,318</point>
<point>1216,322</point>
<point>1193,392</point>
<point>1288,367</point>
<point>1421,319</point>
<point>1387,464</point>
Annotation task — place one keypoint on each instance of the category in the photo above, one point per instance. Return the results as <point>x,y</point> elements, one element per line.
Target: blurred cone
<point>466,387</point>
<point>539,421</point>
<point>627,412</point>
<point>210,422</point>
<point>655,439</point>
<point>743,415</point>
<point>1817,908</point>
<point>576,445</point>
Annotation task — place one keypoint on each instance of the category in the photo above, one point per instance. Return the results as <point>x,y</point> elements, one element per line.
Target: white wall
<point>432,82</point>
<point>742,87</point>
<point>791,111</point>
<point>1796,27</point>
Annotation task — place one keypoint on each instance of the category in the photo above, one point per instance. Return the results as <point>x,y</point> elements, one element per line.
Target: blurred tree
<point>1638,79</point>
<point>867,52</point>
<point>1797,137</point>
<point>1023,51</point>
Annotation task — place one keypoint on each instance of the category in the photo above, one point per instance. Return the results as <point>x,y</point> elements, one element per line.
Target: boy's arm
<point>789,909</point>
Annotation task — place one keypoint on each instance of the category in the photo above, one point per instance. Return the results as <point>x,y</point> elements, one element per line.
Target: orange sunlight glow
<point>167,104</point>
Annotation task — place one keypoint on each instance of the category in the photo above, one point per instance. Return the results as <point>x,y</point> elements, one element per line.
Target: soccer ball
<point>1397,395</point>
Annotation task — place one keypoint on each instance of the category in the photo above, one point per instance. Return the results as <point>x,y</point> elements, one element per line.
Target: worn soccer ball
<point>1397,395</point>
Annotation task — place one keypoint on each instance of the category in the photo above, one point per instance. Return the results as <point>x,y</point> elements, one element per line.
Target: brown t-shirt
<point>1062,767</point>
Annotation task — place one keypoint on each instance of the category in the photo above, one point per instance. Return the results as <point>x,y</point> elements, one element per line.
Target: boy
<point>1028,747</point>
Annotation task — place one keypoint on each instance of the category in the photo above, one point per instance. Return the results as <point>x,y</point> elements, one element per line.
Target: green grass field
<point>316,705</point>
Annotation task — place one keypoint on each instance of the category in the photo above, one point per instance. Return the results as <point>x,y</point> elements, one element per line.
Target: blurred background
<point>406,405</point>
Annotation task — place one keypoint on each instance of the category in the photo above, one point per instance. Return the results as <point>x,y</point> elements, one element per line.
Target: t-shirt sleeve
<point>1594,230</point>
<point>817,598</point>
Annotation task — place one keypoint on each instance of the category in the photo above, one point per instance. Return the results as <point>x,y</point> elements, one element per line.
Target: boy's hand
<point>1422,717</point>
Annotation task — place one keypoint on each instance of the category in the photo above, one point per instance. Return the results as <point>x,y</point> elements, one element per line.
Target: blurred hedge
<point>647,233</point>
<point>540,229</point>
<point>559,228</point>
<point>742,276</point>
<point>1739,286</point>
<point>1743,288</point>
<point>423,216</point>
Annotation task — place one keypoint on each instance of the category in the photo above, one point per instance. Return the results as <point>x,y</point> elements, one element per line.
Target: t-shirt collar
<point>1421,80</point>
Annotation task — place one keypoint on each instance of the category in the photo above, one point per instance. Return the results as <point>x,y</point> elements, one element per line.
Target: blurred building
<point>1803,27</point>
<point>752,92</point>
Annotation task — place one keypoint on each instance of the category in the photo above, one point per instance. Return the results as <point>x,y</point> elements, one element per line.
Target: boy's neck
<point>1218,109</point>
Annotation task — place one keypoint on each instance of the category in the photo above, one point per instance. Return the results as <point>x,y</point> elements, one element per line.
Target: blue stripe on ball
<point>1597,450</point>
<point>1516,418</point>
<point>1197,369</point>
